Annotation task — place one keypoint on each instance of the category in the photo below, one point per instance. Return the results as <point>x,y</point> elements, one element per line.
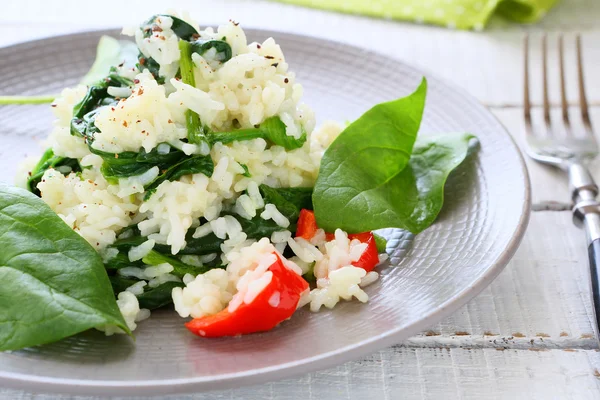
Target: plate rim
<point>306,365</point>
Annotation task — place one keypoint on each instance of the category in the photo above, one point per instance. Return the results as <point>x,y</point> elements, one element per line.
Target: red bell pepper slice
<point>370,257</point>
<point>307,229</point>
<point>307,225</point>
<point>274,304</point>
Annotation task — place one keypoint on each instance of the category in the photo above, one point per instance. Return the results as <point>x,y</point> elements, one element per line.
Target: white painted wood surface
<point>527,336</point>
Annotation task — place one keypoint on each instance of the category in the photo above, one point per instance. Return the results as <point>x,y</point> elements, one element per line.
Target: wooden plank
<point>433,373</point>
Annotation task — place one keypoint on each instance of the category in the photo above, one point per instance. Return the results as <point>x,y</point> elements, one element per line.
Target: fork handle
<point>594,253</point>
<point>586,213</point>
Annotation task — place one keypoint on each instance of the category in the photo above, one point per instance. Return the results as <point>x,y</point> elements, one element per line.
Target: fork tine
<point>526,100</point>
<point>583,104</point>
<point>563,90</point>
<point>545,79</point>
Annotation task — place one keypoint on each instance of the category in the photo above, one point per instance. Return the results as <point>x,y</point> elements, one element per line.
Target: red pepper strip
<point>260,315</point>
<point>307,225</point>
<point>370,257</point>
<point>307,228</point>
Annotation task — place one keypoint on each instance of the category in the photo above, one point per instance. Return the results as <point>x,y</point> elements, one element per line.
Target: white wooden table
<point>527,336</point>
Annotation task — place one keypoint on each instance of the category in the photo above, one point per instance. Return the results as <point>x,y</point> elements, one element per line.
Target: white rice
<point>138,252</point>
<point>137,288</point>
<point>130,309</point>
<point>89,206</point>
<point>206,294</point>
<point>271,212</point>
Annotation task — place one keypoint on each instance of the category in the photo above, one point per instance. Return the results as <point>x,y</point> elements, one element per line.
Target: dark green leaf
<point>159,296</point>
<point>381,243</point>
<point>289,201</point>
<point>223,49</point>
<point>110,52</point>
<point>121,260</point>
<point>272,130</point>
<point>152,66</point>
<point>182,29</point>
<point>53,282</point>
<point>179,268</point>
<point>188,166</point>
<point>246,173</point>
<point>353,189</point>
<point>413,199</point>
<point>120,284</point>
<point>208,244</point>
<point>257,228</point>
<point>47,161</point>
<point>196,132</point>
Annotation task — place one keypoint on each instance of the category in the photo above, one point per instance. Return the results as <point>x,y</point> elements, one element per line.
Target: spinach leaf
<point>121,260</point>
<point>120,283</point>
<point>159,296</point>
<point>289,201</point>
<point>49,160</point>
<point>182,29</point>
<point>257,228</point>
<point>380,242</point>
<point>41,99</point>
<point>53,282</point>
<point>200,247</point>
<point>188,166</point>
<point>110,52</point>
<point>271,129</point>
<point>410,200</point>
<point>358,170</point>
<point>196,132</point>
<point>152,66</point>
<point>299,197</point>
<point>84,112</point>
<point>179,268</point>
<point>173,165</point>
<point>222,48</point>
<point>152,298</point>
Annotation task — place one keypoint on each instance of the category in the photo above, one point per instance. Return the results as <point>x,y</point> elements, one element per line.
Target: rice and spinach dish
<point>185,172</point>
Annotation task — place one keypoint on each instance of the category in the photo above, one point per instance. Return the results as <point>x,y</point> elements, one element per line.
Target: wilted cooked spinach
<point>272,129</point>
<point>182,29</point>
<point>84,112</point>
<point>172,165</point>
<point>152,298</point>
<point>289,201</point>
<point>222,48</point>
<point>196,132</point>
<point>53,282</point>
<point>48,160</point>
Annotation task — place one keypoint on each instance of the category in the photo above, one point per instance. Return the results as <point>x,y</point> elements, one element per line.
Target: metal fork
<point>570,154</point>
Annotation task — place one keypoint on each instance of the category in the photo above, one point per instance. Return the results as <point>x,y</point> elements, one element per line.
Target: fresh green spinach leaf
<point>110,52</point>
<point>53,282</point>
<point>371,177</point>
<point>410,200</point>
<point>359,165</point>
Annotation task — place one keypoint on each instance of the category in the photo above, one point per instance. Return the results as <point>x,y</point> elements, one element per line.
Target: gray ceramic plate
<point>430,276</point>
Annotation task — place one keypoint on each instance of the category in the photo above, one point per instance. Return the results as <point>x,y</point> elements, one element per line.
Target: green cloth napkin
<point>461,14</point>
